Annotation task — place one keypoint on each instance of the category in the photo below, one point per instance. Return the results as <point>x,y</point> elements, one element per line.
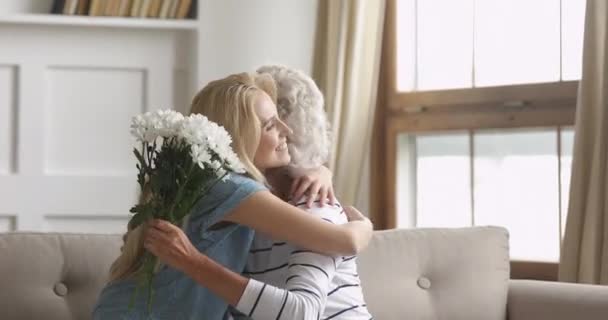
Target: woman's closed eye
<point>270,126</point>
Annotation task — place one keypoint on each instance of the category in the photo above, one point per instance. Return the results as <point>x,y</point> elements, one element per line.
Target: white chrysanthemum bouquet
<point>180,160</point>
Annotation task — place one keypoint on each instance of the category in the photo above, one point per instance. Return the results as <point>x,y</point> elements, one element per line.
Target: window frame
<point>499,107</point>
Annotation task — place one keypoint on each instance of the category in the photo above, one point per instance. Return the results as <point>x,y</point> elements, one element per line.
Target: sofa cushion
<point>53,276</point>
<point>406,274</point>
<point>437,274</point>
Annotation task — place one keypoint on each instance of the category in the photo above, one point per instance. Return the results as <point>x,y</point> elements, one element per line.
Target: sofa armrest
<point>532,300</point>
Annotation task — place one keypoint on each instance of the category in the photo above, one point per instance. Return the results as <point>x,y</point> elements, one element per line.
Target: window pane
<point>406,181</point>
<point>516,41</point>
<point>573,23</point>
<point>515,181</point>
<point>445,44</point>
<point>567,146</point>
<point>443,180</point>
<point>406,45</point>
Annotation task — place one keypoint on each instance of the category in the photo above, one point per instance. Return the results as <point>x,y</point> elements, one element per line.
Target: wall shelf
<point>108,22</point>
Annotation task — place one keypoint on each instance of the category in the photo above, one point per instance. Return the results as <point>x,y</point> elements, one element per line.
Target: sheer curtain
<point>346,68</point>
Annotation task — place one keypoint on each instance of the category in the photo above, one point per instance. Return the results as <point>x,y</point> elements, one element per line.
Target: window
<point>476,115</point>
<point>516,178</point>
<point>444,44</point>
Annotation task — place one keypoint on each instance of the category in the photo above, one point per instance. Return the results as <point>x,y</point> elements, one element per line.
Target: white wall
<point>240,35</point>
<point>66,98</point>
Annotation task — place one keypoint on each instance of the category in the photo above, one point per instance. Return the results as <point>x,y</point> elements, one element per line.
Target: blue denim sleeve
<point>222,199</point>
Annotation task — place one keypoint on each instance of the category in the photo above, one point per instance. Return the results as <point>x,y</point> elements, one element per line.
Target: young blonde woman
<point>220,228</point>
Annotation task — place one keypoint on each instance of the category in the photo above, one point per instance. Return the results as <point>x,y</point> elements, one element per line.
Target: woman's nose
<point>286,129</point>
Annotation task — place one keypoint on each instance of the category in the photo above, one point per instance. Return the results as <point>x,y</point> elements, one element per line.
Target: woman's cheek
<point>268,146</point>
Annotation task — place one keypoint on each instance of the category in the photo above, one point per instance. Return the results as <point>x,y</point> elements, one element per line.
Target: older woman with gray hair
<point>300,105</point>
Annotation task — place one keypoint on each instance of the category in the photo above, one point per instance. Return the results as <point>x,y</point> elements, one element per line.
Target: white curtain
<point>346,68</point>
<point>584,256</point>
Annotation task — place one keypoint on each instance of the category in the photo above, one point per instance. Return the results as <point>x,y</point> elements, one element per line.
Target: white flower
<point>171,123</point>
<point>138,127</point>
<point>198,130</point>
<point>205,138</point>
<point>201,156</point>
<point>234,163</point>
<point>194,129</point>
<point>152,125</point>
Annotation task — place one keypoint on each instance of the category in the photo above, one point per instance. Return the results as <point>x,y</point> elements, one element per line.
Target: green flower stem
<point>145,279</point>
<point>180,193</point>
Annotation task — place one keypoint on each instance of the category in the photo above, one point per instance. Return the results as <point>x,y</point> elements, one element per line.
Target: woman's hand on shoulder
<point>312,183</point>
<point>363,226</point>
<point>355,215</point>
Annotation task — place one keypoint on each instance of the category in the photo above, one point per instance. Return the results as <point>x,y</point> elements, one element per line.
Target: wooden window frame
<point>499,107</point>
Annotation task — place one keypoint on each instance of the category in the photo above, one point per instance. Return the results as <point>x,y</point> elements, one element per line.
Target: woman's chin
<point>285,162</point>
<point>283,159</point>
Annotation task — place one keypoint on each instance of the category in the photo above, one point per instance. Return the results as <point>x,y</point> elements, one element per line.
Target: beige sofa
<point>407,274</point>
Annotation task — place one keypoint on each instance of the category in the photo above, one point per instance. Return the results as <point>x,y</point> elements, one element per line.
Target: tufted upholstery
<point>53,276</point>
<point>407,274</point>
<point>437,274</point>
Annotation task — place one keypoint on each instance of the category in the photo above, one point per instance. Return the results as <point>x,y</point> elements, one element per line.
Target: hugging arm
<point>305,293</point>
<point>306,290</point>
<point>307,283</point>
<point>270,215</point>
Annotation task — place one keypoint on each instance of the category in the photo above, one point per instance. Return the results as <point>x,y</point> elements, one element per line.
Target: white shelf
<point>86,21</point>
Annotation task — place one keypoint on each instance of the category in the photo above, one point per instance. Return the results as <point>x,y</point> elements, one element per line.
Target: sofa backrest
<point>437,274</point>
<point>53,276</point>
<point>406,274</point>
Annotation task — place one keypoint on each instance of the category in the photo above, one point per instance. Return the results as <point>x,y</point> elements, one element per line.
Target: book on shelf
<point>83,7</point>
<point>143,10</point>
<point>58,6</point>
<point>162,9</point>
<point>155,8</point>
<point>193,11</point>
<point>117,5</point>
<point>69,8</point>
<point>95,7</point>
<point>125,8</point>
<point>184,7</point>
<point>134,12</point>
<point>173,9</point>
<point>109,9</point>
<point>66,6</point>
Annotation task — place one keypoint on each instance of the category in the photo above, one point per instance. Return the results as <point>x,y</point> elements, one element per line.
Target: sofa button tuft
<point>60,289</point>
<point>424,283</point>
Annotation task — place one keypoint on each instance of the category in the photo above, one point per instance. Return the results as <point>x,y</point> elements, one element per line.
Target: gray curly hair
<point>300,105</point>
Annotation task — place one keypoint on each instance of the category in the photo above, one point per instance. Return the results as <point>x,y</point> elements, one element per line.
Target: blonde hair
<point>230,103</point>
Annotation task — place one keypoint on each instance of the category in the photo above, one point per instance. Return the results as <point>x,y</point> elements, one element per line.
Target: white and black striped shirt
<point>292,283</point>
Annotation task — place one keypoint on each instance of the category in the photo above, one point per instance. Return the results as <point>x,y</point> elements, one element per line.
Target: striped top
<point>292,283</point>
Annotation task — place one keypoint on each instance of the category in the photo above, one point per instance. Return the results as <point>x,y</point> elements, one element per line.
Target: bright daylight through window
<point>515,177</point>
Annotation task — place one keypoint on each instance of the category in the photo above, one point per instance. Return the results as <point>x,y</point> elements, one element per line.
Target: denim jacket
<point>177,296</point>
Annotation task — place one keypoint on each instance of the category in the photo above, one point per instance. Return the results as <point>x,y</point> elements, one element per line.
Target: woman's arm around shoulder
<point>270,215</point>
